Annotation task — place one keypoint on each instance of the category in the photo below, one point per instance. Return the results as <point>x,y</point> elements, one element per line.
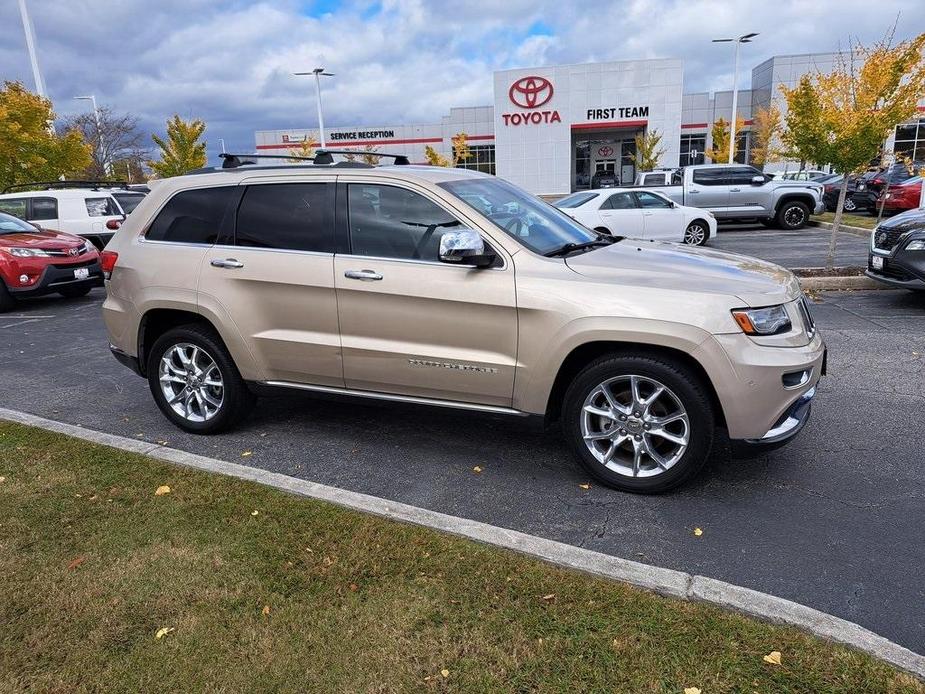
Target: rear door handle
<point>692,192</point>
<point>229,263</point>
<point>735,190</point>
<point>364,275</point>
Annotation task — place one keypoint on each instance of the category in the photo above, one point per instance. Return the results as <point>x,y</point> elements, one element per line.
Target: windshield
<point>128,201</point>
<point>536,224</point>
<point>574,200</point>
<point>14,225</point>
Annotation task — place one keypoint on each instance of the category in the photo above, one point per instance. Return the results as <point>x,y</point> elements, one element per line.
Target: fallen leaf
<point>550,597</point>
<point>163,489</point>
<point>2,480</point>
<point>692,690</point>
<point>263,433</point>
<point>585,486</point>
<point>773,657</point>
<point>476,469</point>
<point>244,454</point>
<point>162,632</point>
<point>74,563</point>
<point>445,673</point>
<point>697,531</point>
<point>255,512</point>
<point>354,587</point>
<point>162,443</point>
<point>266,610</point>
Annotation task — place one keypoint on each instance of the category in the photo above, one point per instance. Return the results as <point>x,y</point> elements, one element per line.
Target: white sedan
<point>639,214</point>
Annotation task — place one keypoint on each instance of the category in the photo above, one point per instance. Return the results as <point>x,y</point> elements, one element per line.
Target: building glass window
<point>481,158</point>
<point>743,141</point>
<point>582,165</point>
<point>692,147</point>
<point>910,140</point>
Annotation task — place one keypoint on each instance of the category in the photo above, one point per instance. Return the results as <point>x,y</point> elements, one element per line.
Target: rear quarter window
<point>14,206</point>
<point>193,216</point>
<point>102,207</point>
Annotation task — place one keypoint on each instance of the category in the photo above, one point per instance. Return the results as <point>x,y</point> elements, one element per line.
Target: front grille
<point>894,272</point>
<point>71,266</point>
<point>63,252</point>
<point>886,239</point>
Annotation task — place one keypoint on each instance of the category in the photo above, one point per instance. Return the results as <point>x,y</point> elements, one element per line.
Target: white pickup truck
<point>734,192</point>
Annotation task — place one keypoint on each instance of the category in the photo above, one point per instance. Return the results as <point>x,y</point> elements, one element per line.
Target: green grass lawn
<point>855,220</point>
<point>265,591</point>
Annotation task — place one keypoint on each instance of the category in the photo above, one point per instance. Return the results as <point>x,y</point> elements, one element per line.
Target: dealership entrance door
<point>603,157</point>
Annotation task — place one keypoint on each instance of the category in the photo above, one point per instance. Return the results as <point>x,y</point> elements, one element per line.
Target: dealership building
<point>552,129</point>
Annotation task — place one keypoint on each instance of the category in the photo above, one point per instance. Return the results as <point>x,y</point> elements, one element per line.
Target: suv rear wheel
<point>639,424</point>
<point>792,215</point>
<point>195,382</point>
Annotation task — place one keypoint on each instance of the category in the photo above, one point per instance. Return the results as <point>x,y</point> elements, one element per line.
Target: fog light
<point>24,279</point>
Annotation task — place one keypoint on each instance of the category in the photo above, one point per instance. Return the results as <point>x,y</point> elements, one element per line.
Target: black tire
<point>692,238</point>
<point>74,292</point>
<point>679,379</point>
<point>792,215</point>
<point>7,302</point>
<point>237,399</point>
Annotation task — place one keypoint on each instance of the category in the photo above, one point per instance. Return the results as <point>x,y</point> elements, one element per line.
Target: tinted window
<point>193,216</point>
<point>128,201</point>
<point>14,206</point>
<point>652,201</point>
<point>44,208</point>
<point>290,216</point>
<point>710,177</point>
<point>389,222</point>
<point>619,201</point>
<point>102,207</point>
<point>653,179</point>
<point>741,175</point>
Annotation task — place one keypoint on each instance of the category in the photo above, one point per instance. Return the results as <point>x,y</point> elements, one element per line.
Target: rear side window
<point>14,206</point>
<point>619,201</point>
<point>128,201</point>
<point>710,177</point>
<point>193,216</point>
<point>102,207</point>
<point>44,208</point>
<point>653,180</point>
<point>290,216</point>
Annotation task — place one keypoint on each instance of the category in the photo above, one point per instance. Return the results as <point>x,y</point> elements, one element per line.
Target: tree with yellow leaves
<point>434,158</point>
<point>766,129</point>
<point>29,150</point>
<point>719,152</point>
<point>183,150</point>
<point>648,152</point>
<point>461,151</point>
<point>306,148</point>
<point>843,117</point>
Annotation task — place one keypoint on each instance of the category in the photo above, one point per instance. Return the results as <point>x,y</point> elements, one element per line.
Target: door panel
<point>708,190</point>
<point>622,216</point>
<point>662,221</point>
<point>745,196</point>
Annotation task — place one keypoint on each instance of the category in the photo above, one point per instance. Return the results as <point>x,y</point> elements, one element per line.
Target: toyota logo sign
<point>605,151</point>
<point>530,92</point>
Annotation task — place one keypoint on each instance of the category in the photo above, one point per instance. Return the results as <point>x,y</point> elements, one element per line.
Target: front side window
<point>620,201</point>
<point>536,224</point>
<point>742,175</point>
<point>102,207</point>
<point>192,216</point>
<point>290,216</point>
<point>390,222</point>
<point>652,201</point>
<point>44,208</point>
<point>14,206</point>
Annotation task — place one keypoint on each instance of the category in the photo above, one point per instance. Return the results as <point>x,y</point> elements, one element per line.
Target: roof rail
<point>61,185</point>
<point>233,161</point>
<point>323,156</point>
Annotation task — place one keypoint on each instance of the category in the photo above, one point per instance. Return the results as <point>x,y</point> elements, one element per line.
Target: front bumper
<point>904,269</point>
<point>57,277</point>
<point>820,207</point>
<point>791,422</point>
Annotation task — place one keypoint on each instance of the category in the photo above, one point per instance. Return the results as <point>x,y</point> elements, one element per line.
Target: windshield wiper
<point>601,240</point>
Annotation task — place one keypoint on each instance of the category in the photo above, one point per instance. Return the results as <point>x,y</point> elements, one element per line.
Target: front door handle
<point>364,275</point>
<point>692,192</point>
<point>229,263</point>
<point>735,190</point>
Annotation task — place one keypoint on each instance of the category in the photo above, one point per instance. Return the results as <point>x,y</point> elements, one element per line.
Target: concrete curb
<point>821,284</point>
<point>664,581</point>
<point>857,231</point>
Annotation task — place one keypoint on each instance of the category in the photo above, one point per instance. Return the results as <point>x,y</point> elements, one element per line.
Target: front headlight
<point>770,320</point>
<point>27,252</point>
<point>917,245</point>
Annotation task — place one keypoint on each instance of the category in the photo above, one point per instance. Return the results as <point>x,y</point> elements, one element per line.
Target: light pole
<point>99,129</point>
<point>318,72</point>
<point>222,141</point>
<point>30,46</point>
<point>747,38</point>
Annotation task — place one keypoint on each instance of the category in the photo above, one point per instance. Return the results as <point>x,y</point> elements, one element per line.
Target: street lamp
<point>318,72</point>
<point>99,130</point>
<point>747,38</point>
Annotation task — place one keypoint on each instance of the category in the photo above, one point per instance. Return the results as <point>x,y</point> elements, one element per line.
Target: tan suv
<point>449,287</point>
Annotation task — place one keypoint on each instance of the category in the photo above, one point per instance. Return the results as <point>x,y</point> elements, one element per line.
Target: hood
<point>907,221</point>
<point>688,269</point>
<point>47,239</point>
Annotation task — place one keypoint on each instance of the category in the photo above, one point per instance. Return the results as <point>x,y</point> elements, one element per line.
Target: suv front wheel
<point>195,382</point>
<point>639,424</point>
<point>792,215</point>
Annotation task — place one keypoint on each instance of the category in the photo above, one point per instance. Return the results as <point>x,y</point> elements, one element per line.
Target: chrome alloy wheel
<point>191,382</point>
<point>635,426</point>
<point>695,234</point>
<point>795,216</point>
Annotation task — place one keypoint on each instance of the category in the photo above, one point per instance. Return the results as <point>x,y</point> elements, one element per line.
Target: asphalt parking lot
<point>833,521</point>
<point>804,248</point>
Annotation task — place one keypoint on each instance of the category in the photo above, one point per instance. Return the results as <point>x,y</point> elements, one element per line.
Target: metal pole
<point>222,142</point>
<point>735,99</point>
<point>320,117</point>
<point>30,45</point>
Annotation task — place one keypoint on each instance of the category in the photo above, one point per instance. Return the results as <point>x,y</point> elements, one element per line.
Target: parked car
<point>897,251</point>
<point>36,261</point>
<point>639,214</point>
<point>604,179</point>
<point>743,192</point>
<point>900,197</point>
<point>658,177</point>
<point>87,208</point>
<point>832,190</point>
<point>400,283</point>
<point>871,185</point>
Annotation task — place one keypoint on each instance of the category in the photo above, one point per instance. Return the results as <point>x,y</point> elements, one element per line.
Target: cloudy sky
<point>229,62</point>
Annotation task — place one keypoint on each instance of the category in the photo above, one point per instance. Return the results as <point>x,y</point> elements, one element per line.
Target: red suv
<point>35,261</point>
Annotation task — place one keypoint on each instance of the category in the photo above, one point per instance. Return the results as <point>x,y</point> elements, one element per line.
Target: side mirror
<point>464,247</point>
<point>759,180</point>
